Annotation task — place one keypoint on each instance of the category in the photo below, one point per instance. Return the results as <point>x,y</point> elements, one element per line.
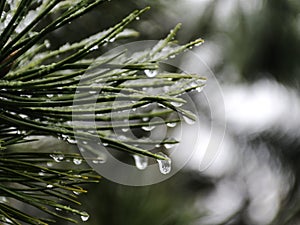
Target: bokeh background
<point>253,49</point>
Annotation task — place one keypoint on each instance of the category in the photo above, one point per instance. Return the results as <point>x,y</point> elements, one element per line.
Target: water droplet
<point>71,140</point>
<point>112,40</point>
<point>99,159</point>
<point>141,161</point>
<point>148,128</point>
<point>47,44</point>
<point>171,124</point>
<point>57,157</point>
<point>188,120</point>
<point>125,129</point>
<point>145,119</point>
<point>168,146</point>
<point>84,216</point>
<point>164,165</point>
<point>3,199</point>
<point>157,145</point>
<point>50,164</point>
<point>177,104</point>
<point>137,18</point>
<point>76,192</point>
<point>199,89</point>
<point>105,144</point>
<point>77,161</point>
<point>94,48</point>
<point>58,209</point>
<point>49,95</point>
<point>172,56</point>
<point>49,186</point>
<point>150,73</point>
<point>41,173</point>
<point>84,142</point>
<point>93,92</point>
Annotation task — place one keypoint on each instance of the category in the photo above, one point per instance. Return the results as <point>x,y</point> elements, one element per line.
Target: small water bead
<point>84,216</point>
<point>137,18</point>
<point>112,39</point>
<point>49,164</point>
<point>76,192</point>
<point>168,146</point>
<point>125,129</point>
<point>148,128</point>
<point>57,157</point>
<point>71,140</point>
<point>99,160</point>
<point>77,161</point>
<point>171,124</point>
<point>3,199</point>
<point>47,44</point>
<point>84,142</point>
<point>94,48</point>
<point>145,119</point>
<point>92,92</point>
<point>164,165</point>
<point>105,144</point>
<point>141,161</point>
<point>177,104</point>
<point>188,120</point>
<point>49,95</point>
<point>49,186</point>
<point>151,73</point>
<point>199,89</point>
<point>58,209</point>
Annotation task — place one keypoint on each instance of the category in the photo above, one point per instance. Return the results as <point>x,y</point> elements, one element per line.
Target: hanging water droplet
<point>58,209</point>
<point>84,142</point>
<point>84,216</point>
<point>93,92</point>
<point>171,124</point>
<point>112,40</point>
<point>49,164</point>
<point>172,56</point>
<point>141,161</point>
<point>177,104</point>
<point>157,146</point>
<point>164,165</point>
<point>49,95</point>
<point>77,161</point>
<point>137,18</point>
<point>57,157</point>
<point>76,192</point>
<point>188,120</point>
<point>148,128</point>
<point>150,73</point>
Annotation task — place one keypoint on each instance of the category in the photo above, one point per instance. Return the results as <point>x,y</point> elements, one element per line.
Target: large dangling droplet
<point>164,165</point>
<point>141,161</point>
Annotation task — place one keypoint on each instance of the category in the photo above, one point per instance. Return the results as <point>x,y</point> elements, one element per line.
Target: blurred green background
<point>253,49</point>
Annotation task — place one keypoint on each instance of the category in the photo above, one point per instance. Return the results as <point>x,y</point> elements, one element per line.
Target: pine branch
<point>43,91</point>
